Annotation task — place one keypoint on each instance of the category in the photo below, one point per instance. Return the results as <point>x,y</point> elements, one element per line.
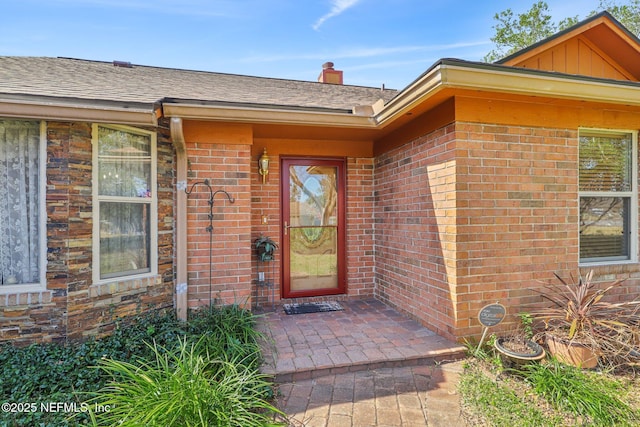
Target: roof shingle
<point>102,81</point>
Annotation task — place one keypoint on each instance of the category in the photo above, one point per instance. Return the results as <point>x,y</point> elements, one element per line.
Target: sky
<point>374,42</point>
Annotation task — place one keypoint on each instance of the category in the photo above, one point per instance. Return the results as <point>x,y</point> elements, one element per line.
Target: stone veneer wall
<point>72,307</point>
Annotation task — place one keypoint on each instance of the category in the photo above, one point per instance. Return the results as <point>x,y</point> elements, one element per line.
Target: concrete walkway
<point>405,396</point>
<point>367,365</point>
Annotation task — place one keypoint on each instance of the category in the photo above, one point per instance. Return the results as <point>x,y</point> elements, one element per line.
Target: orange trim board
<point>217,132</point>
<point>557,114</point>
<point>316,148</point>
<point>243,134</point>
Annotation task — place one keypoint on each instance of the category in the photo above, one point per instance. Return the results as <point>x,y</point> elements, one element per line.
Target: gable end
<point>599,47</point>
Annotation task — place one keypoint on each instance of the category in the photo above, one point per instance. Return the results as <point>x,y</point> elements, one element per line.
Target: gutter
<point>177,136</point>
<point>285,115</point>
<point>73,109</point>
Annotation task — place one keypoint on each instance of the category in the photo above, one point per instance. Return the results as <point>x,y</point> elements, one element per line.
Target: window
<point>22,183</point>
<point>125,202</point>
<point>608,200</point>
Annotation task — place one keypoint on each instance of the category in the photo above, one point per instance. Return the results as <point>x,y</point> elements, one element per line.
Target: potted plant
<point>265,248</point>
<point>581,326</point>
<point>517,348</point>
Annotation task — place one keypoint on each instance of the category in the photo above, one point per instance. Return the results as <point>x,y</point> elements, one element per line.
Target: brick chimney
<point>329,75</point>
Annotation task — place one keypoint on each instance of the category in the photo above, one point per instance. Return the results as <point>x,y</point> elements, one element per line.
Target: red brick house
<point>462,189</point>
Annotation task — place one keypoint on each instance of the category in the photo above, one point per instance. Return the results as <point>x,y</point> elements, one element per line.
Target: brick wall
<point>360,227</point>
<point>72,307</point>
<point>265,202</point>
<point>520,219</point>
<point>226,166</point>
<point>517,215</point>
<point>415,231</point>
<point>474,214</point>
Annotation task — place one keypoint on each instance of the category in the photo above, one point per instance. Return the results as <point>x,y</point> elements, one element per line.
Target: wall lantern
<point>263,166</point>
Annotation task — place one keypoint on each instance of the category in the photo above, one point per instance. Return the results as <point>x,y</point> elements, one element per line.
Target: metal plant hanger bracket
<point>212,195</point>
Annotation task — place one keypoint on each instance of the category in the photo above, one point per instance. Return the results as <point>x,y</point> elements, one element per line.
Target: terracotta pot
<point>571,352</point>
<point>512,358</point>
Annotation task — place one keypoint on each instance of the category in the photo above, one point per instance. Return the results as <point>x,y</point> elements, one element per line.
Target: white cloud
<point>366,52</point>
<point>338,6</point>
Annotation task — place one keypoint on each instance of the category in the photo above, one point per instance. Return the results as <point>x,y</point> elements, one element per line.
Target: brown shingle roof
<point>102,81</point>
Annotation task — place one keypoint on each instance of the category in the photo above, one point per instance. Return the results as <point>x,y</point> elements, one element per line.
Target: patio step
<point>281,374</point>
<point>366,335</point>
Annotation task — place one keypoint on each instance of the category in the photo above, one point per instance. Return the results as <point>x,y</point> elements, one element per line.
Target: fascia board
<point>14,108</point>
<point>414,94</point>
<point>266,115</point>
<point>515,81</point>
<point>541,85</point>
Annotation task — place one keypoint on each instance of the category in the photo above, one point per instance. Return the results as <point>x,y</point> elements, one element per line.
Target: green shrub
<point>183,386</point>
<point>231,329</point>
<point>571,389</point>
<point>494,403</point>
<point>43,373</point>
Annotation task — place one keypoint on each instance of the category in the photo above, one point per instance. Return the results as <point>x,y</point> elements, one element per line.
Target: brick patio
<point>365,366</point>
<point>366,335</point>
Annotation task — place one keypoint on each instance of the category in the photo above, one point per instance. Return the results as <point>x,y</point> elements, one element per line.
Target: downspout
<point>177,136</point>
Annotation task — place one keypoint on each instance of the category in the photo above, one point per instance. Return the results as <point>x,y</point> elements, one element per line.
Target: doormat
<point>311,307</point>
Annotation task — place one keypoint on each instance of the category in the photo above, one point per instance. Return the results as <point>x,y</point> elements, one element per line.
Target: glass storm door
<point>313,227</point>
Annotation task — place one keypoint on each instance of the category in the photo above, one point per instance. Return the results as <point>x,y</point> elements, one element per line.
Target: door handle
<point>286,228</point>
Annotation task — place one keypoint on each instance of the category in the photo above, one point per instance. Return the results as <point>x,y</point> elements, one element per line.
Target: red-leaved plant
<point>581,313</point>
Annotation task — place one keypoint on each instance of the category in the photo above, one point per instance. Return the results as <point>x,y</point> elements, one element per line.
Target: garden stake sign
<point>490,315</point>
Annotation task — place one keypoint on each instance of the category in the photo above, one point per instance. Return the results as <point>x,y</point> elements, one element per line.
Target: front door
<point>313,207</point>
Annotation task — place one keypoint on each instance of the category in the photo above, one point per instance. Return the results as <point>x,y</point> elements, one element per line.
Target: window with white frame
<point>22,212</point>
<point>125,217</point>
<point>608,196</point>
